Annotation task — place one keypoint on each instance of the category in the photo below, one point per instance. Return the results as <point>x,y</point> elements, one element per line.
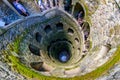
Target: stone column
<point>104,50</point>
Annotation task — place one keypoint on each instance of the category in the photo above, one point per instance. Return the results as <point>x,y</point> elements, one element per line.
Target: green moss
<point>111,32</point>
<point>104,68</point>
<point>117,29</point>
<point>27,72</point>
<point>90,45</point>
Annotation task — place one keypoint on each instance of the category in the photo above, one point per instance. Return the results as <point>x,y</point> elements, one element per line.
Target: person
<point>86,34</point>
<point>20,8</point>
<point>56,3</point>
<point>80,14</point>
<point>80,21</point>
<point>47,4</point>
<point>41,5</point>
<point>80,18</point>
<point>67,5</point>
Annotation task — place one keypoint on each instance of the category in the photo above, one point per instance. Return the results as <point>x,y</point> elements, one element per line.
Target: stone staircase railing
<point>10,5</point>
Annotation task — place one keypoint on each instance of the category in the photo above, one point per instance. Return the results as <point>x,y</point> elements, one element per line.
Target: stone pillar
<point>47,67</point>
<point>73,7</point>
<point>104,50</point>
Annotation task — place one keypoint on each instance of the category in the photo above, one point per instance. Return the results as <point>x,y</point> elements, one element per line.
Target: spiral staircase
<point>51,43</point>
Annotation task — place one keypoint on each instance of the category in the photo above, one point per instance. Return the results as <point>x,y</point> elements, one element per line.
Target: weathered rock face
<point>106,21</point>
<point>29,46</point>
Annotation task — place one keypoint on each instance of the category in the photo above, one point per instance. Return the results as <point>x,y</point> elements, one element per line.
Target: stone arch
<point>47,29</point>
<point>34,50</point>
<point>77,8</point>
<point>86,30</point>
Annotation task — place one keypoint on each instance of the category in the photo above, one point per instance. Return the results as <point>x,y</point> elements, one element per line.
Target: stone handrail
<point>42,14</point>
<point>10,5</point>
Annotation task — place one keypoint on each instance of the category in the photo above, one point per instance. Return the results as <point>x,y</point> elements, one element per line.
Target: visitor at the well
<point>67,5</point>
<point>20,8</point>
<point>80,18</point>
<point>40,5</point>
<point>80,14</point>
<point>80,21</point>
<point>47,4</point>
<point>56,3</point>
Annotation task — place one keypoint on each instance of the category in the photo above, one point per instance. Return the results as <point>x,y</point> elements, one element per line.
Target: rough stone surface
<point>113,74</point>
<point>105,23</point>
<point>7,74</point>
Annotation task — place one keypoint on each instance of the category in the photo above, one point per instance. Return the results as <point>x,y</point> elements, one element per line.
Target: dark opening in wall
<point>76,40</point>
<point>86,30</point>
<point>59,26</point>
<point>70,31</point>
<point>38,37</point>
<point>78,9</point>
<point>47,29</point>
<point>34,50</point>
<point>68,5</point>
<point>38,66</point>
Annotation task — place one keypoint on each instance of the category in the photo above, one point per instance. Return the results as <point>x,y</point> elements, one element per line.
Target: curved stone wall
<point>52,45</point>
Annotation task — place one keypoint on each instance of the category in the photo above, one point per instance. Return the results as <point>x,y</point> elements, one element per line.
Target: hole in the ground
<point>64,56</point>
<point>34,50</point>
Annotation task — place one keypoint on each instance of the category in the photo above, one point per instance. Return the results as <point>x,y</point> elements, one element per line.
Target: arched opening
<point>47,29</point>
<point>38,66</point>
<point>60,51</point>
<point>34,50</point>
<point>77,40</point>
<point>86,30</point>
<point>38,37</point>
<point>59,26</point>
<point>70,31</point>
<point>77,11</point>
